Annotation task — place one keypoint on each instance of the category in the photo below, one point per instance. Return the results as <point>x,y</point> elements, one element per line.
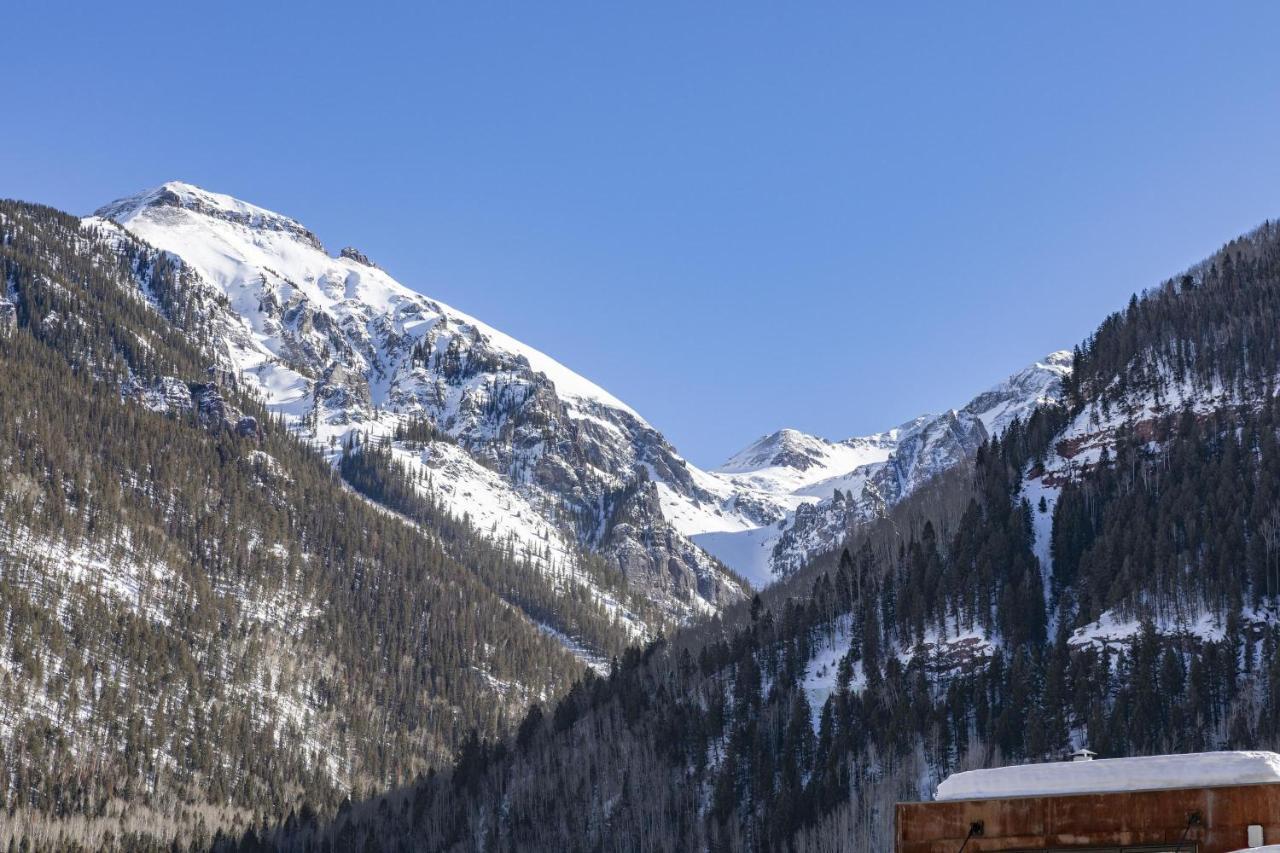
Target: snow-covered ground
<point>51,568</point>
<point>956,649</point>
<point>822,673</point>
<point>466,489</point>
<point>748,551</point>
<point>1094,429</point>
<point>445,473</point>
<point>1114,629</point>
<point>1036,490</point>
<point>61,575</point>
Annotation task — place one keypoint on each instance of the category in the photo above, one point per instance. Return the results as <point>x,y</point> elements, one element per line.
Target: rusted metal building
<point>1206,803</point>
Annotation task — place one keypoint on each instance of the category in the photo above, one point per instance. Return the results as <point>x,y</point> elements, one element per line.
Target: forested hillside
<point>201,625</point>
<point>563,604</point>
<point>1107,574</point>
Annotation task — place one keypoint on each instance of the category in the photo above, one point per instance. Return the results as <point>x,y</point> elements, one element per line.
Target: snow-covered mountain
<point>532,452</point>
<point>790,496</point>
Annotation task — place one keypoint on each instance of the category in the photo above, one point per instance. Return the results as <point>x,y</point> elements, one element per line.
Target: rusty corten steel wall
<point>1093,820</point>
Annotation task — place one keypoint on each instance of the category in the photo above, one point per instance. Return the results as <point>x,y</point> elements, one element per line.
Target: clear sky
<point>734,216</point>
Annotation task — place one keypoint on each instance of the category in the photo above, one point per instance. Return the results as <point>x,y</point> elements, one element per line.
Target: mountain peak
<point>1019,394</point>
<point>1059,358</point>
<point>787,447</point>
<point>180,195</point>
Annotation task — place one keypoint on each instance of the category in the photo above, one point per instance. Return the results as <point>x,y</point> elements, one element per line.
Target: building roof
<point>1157,772</point>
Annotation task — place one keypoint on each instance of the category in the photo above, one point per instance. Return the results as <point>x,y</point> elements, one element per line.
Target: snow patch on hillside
<point>749,551</point>
<point>1113,628</point>
<point>449,476</point>
<point>52,569</point>
<point>821,675</point>
<point>446,475</point>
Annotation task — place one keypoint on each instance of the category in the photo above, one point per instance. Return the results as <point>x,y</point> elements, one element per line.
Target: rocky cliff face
<point>338,347</point>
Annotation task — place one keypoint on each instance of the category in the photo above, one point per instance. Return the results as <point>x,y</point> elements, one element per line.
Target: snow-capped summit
<point>790,496</point>
<point>178,195</point>
<point>536,454</point>
<point>253,254</point>
<point>1018,395</point>
<point>784,448</point>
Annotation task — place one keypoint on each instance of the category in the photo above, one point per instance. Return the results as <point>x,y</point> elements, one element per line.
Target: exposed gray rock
<point>351,253</point>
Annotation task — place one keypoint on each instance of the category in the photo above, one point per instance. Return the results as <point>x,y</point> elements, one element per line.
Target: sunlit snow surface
<point>1156,772</point>
<point>259,254</point>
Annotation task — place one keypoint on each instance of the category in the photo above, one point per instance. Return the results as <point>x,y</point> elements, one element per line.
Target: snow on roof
<point>1195,770</point>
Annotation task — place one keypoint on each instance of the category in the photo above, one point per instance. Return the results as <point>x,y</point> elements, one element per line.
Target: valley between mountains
<point>293,556</point>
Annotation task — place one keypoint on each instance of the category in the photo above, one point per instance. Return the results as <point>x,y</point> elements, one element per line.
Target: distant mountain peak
<point>1018,395</point>
<point>796,495</point>
<point>789,448</point>
<point>1059,358</point>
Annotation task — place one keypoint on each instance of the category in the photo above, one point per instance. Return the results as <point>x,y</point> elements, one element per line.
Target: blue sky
<point>736,217</point>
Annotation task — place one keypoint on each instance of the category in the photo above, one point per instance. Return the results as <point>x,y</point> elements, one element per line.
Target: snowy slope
<point>252,254</point>
<point>789,496</point>
<point>788,460</point>
<point>1077,449</point>
<point>339,347</point>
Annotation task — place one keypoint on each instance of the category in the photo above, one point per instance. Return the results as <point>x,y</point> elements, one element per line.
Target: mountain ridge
<point>801,495</point>
<point>342,349</point>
